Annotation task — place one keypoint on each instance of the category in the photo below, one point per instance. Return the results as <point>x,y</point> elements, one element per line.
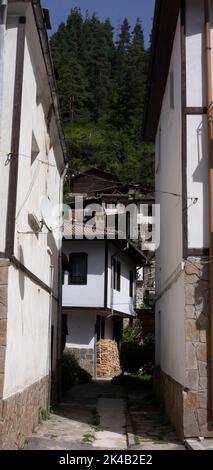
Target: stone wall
<point>170,394</point>
<point>85,358</point>
<point>4,266</point>
<point>196,395</point>
<point>189,405</point>
<point>20,415</point>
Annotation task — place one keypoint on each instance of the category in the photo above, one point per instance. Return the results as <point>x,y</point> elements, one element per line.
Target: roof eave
<point>44,41</point>
<point>164,28</point>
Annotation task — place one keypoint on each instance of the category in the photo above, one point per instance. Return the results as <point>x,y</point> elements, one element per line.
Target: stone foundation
<point>4,266</point>
<point>85,358</point>
<point>189,406</point>
<point>170,394</point>
<point>196,396</point>
<point>20,415</point>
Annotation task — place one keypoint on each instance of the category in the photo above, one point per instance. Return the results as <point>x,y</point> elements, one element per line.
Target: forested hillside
<point>102,84</point>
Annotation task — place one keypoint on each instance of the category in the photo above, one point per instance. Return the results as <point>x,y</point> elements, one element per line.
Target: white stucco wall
<point>197,181</point>
<point>170,335</point>
<point>170,332</point>
<point>197,149</point>
<point>122,302</point>
<point>92,294</point>
<point>28,347</point>
<point>195,63</point>
<point>81,328</point>
<point>9,59</point>
<point>169,173</point>
<point>27,334</point>
<point>37,179</point>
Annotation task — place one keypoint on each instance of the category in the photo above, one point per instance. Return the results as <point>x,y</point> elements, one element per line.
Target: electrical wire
<point>35,175</point>
<point>10,155</point>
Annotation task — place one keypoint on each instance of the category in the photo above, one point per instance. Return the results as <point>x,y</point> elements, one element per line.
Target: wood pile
<point>108,363</point>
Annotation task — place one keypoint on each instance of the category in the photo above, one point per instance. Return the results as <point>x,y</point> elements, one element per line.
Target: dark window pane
<point>114,273</point>
<point>118,275</point>
<point>131,284</point>
<point>78,268</point>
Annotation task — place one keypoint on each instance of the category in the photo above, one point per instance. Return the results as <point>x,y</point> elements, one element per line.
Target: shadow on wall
<point>200,175</point>
<point>21,274</point>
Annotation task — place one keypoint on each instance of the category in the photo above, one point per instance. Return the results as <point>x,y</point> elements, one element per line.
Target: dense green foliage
<point>133,382</point>
<point>137,352</point>
<point>133,334</point>
<point>102,86</point>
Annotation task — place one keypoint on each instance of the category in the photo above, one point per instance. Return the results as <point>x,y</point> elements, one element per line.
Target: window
<point>117,274</point>
<point>131,284</point>
<point>172,91</point>
<point>78,268</point>
<point>65,266</point>
<point>150,225</point>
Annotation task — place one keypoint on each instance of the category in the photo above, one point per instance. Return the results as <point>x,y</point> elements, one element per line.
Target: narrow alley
<point>102,416</point>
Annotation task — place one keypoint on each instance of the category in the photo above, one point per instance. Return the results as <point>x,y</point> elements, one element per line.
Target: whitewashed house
<point>98,292</point>
<point>32,164</point>
<point>179,104</point>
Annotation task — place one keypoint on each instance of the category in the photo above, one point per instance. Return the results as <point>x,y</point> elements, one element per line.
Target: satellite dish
<point>47,212</point>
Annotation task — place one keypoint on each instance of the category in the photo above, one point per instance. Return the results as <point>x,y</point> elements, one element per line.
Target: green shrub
<point>72,373</point>
<point>133,334</point>
<point>131,357</point>
<point>133,382</point>
<point>148,350</point>
<point>136,352</point>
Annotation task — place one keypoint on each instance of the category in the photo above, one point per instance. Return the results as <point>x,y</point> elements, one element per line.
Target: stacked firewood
<point>108,363</point>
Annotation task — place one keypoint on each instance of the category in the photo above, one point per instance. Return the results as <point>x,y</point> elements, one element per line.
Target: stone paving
<point>101,416</point>
<point>151,429</point>
<point>199,444</point>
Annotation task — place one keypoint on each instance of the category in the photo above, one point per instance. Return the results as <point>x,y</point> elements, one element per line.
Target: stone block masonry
<point>4,266</point>
<point>170,393</point>
<point>20,414</point>
<point>85,358</point>
<point>196,395</point>
<point>188,405</point>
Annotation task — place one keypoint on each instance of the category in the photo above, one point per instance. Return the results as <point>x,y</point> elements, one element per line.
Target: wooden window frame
<point>116,274</point>
<point>77,282</point>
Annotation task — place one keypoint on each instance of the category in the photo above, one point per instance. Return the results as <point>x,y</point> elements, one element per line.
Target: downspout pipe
<point>59,322</point>
<point>208,51</point>
<point>3,20</point>
<point>114,256</point>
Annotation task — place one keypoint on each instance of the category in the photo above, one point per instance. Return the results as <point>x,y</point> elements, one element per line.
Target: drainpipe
<point>210,144</point>
<point>50,330</point>
<point>3,19</point>
<point>112,277</point>
<point>61,196</point>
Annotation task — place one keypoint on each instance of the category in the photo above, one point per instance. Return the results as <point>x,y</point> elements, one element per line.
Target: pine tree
<point>124,36</point>
<point>102,90</point>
